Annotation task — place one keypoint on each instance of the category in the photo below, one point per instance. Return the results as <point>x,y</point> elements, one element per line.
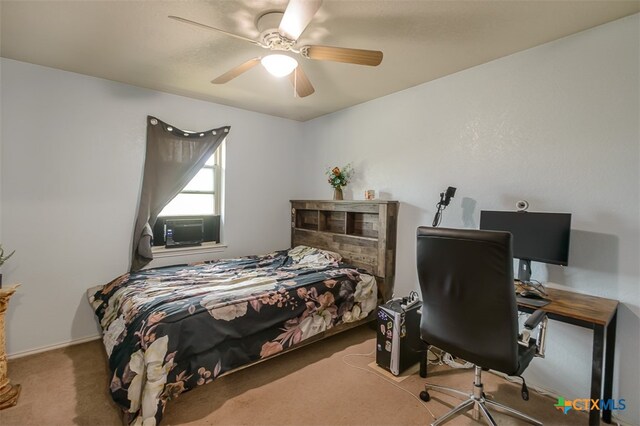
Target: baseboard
<point>41,349</point>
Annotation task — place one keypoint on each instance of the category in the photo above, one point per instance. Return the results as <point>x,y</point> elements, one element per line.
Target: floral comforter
<point>169,330</point>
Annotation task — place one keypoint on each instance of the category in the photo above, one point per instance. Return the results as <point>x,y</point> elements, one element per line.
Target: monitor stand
<point>524,270</point>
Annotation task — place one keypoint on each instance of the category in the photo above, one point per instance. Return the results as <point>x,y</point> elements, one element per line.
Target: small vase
<point>337,194</point>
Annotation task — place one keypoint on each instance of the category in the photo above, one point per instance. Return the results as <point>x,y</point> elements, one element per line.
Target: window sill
<point>161,252</point>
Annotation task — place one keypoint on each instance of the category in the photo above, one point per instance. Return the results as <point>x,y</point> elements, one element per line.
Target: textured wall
<point>556,125</point>
<point>72,159</point>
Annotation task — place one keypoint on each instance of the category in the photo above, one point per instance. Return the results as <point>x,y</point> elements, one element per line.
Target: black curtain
<point>172,159</point>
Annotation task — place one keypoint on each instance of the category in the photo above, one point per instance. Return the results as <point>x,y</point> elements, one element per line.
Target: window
<point>200,198</point>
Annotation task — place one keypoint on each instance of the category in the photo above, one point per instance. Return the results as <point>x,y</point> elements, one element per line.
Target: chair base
<point>476,401</point>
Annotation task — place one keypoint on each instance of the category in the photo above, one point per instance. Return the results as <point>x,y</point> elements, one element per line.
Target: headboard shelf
<point>332,221</point>
<point>363,232</point>
<point>307,219</point>
<point>354,236</point>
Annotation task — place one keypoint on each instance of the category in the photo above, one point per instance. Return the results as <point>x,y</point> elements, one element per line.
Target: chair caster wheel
<point>424,395</point>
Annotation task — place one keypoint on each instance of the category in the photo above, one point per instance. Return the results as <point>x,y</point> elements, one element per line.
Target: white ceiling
<point>134,42</point>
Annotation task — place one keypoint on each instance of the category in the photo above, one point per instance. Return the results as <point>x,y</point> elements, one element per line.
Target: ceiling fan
<point>279,32</point>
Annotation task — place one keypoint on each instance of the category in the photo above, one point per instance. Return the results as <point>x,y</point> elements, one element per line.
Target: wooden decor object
<point>8,393</point>
<point>363,232</point>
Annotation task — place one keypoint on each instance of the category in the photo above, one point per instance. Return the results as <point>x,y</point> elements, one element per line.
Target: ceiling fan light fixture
<point>279,65</point>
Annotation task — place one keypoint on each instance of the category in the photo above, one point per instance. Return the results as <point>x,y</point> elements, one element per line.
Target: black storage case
<point>398,344</point>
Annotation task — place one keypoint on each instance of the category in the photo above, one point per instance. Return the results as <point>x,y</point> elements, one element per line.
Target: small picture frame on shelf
<point>369,194</point>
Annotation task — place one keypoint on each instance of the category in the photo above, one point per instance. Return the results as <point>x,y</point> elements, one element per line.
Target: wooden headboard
<point>363,232</point>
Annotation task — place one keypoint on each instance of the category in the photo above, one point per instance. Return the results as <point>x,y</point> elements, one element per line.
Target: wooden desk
<point>600,315</point>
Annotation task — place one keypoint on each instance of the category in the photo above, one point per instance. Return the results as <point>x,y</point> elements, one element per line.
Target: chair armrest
<point>537,319</point>
<point>534,319</point>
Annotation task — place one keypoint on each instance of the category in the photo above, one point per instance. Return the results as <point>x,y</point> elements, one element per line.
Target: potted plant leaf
<point>3,259</point>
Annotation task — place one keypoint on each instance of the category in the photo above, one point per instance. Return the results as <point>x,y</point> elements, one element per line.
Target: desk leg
<point>596,371</point>
<point>610,350</point>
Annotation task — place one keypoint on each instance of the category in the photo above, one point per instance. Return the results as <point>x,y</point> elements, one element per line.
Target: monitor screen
<point>541,237</point>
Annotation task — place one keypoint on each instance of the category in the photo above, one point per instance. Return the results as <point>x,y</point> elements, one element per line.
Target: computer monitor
<point>541,237</point>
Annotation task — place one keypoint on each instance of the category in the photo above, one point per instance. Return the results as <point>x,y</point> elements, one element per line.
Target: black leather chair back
<point>468,300</point>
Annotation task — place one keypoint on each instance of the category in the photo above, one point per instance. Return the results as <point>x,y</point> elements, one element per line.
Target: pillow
<point>313,257</point>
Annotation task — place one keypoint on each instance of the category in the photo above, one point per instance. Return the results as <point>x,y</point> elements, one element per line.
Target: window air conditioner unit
<point>183,232</point>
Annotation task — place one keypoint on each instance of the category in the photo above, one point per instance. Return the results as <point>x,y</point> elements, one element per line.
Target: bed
<point>169,330</point>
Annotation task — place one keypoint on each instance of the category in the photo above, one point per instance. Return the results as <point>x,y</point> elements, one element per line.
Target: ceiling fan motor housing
<point>268,24</point>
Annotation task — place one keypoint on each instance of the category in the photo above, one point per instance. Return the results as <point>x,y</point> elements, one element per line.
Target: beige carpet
<point>310,386</point>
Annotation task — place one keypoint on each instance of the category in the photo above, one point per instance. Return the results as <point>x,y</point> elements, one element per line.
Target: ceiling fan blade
<point>297,16</point>
<point>233,73</point>
<point>301,82</point>
<point>343,54</point>
<point>207,27</point>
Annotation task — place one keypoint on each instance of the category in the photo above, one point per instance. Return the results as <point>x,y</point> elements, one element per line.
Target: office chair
<point>469,310</point>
